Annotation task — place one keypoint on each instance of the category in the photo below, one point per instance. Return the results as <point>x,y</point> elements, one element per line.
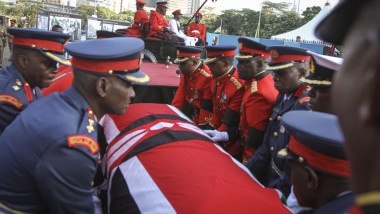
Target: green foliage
<point>104,13</point>
<point>310,13</point>
<point>275,19</point>
<point>85,10</point>
<point>3,8</point>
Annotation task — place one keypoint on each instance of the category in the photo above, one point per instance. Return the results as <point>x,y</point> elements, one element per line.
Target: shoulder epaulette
<point>254,87</point>
<point>235,82</point>
<point>83,140</point>
<point>300,90</point>
<point>12,100</point>
<point>204,73</point>
<point>304,100</point>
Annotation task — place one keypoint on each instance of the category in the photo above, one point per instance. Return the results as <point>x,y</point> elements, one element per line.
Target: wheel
<point>149,56</point>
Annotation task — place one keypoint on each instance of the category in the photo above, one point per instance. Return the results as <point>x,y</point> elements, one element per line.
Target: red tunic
<point>63,80</point>
<point>199,27</point>
<point>196,90</point>
<point>140,17</point>
<point>256,108</point>
<point>157,161</point>
<point>227,93</point>
<point>157,21</point>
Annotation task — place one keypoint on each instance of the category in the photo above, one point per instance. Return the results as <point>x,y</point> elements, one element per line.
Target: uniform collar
<point>13,69</point>
<point>227,74</point>
<point>196,70</point>
<point>260,75</point>
<point>73,96</point>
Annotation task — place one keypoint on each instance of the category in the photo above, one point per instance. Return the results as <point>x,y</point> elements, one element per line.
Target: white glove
<point>217,135</point>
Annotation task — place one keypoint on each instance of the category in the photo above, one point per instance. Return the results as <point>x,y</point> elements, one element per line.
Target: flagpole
<point>258,26</point>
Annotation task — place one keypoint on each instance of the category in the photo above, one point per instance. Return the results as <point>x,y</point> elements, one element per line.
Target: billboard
<point>94,24</point>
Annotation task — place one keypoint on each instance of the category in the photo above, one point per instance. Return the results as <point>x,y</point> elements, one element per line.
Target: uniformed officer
<point>160,162</point>
<point>259,96</point>
<point>10,36</point>
<point>322,69</point>
<point>50,152</point>
<point>34,65</point>
<point>289,65</point>
<point>355,25</point>
<point>159,27</point>
<point>197,29</point>
<point>319,168</point>
<point>64,78</point>
<point>140,18</point>
<point>195,84</point>
<point>227,89</point>
<point>3,42</point>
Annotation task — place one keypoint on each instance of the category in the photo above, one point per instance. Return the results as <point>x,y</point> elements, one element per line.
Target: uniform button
<point>26,84</point>
<point>278,117</point>
<point>275,134</point>
<point>90,112</point>
<point>270,119</point>
<point>271,148</point>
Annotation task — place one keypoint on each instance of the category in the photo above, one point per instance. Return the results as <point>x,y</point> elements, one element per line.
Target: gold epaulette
<point>204,73</point>
<point>235,82</point>
<point>254,87</point>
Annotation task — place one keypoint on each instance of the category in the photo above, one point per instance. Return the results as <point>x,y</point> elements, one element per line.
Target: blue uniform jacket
<point>48,157</point>
<point>264,163</point>
<point>339,205</point>
<point>13,97</point>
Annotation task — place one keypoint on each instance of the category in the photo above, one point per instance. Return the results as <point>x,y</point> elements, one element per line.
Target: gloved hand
<point>166,30</point>
<point>217,135</point>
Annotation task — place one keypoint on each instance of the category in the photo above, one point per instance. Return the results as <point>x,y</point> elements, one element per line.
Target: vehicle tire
<point>149,56</point>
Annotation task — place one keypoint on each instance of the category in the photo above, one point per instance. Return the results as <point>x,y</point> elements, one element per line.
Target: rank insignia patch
<point>82,140</point>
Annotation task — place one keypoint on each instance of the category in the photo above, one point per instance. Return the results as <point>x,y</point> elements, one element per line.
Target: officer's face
<point>39,70</point>
<point>286,80</point>
<point>187,67</point>
<point>320,99</point>
<point>120,97</point>
<point>197,19</point>
<point>218,68</point>
<point>247,69</point>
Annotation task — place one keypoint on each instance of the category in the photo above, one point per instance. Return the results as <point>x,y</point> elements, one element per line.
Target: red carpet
<point>160,75</point>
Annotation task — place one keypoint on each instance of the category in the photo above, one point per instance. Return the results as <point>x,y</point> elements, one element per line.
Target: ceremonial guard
<point>322,69</point>
<point>259,96</point>
<point>158,161</point>
<point>197,29</point>
<point>289,65</point>
<point>319,169</point>
<point>227,89</point>
<point>159,27</point>
<point>34,65</point>
<point>195,84</point>
<point>3,42</point>
<point>50,152</point>
<point>141,17</point>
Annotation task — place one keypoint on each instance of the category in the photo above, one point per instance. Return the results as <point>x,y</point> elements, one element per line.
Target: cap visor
<point>57,57</point>
<point>244,57</point>
<point>210,60</point>
<point>138,77</point>
<point>279,67</point>
<point>313,82</point>
<point>180,60</point>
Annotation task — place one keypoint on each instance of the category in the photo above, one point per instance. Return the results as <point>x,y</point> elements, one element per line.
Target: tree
<point>3,7</point>
<point>310,13</point>
<point>85,10</point>
<point>103,12</point>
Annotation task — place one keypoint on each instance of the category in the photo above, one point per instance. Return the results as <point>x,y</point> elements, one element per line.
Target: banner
<point>219,28</point>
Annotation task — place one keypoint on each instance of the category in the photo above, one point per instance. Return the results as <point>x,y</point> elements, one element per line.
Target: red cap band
<point>288,58</point>
<point>104,67</point>
<point>159,4</point>
<point>46,44</point>
<point>182,54</point>
<point>326,163</point>
<point>221,53</point>
<point>254,51</point>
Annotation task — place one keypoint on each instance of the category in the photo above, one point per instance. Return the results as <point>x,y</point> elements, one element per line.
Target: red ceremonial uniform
<point>159,162</point>
<point>63,80</point>
<point>256,108</point>
<point>197,27</point>
<point>196,90</point>
<point>227,93</point>
<point>141,17</point>
<point>157,21</point>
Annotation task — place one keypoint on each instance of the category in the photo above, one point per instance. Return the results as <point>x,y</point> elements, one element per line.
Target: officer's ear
<point>312,178</point>
<point>22,61</point>
<point>103,86</point>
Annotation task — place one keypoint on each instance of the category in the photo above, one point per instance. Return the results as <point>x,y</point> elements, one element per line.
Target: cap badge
<point>312,66</point>
<point>240,45</point>
<point>274,54</point>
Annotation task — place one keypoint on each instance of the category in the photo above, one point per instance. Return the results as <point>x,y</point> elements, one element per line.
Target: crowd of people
<point>287,130</point>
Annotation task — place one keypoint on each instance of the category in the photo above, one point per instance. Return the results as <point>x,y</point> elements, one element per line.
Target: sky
<point>255,4</point>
